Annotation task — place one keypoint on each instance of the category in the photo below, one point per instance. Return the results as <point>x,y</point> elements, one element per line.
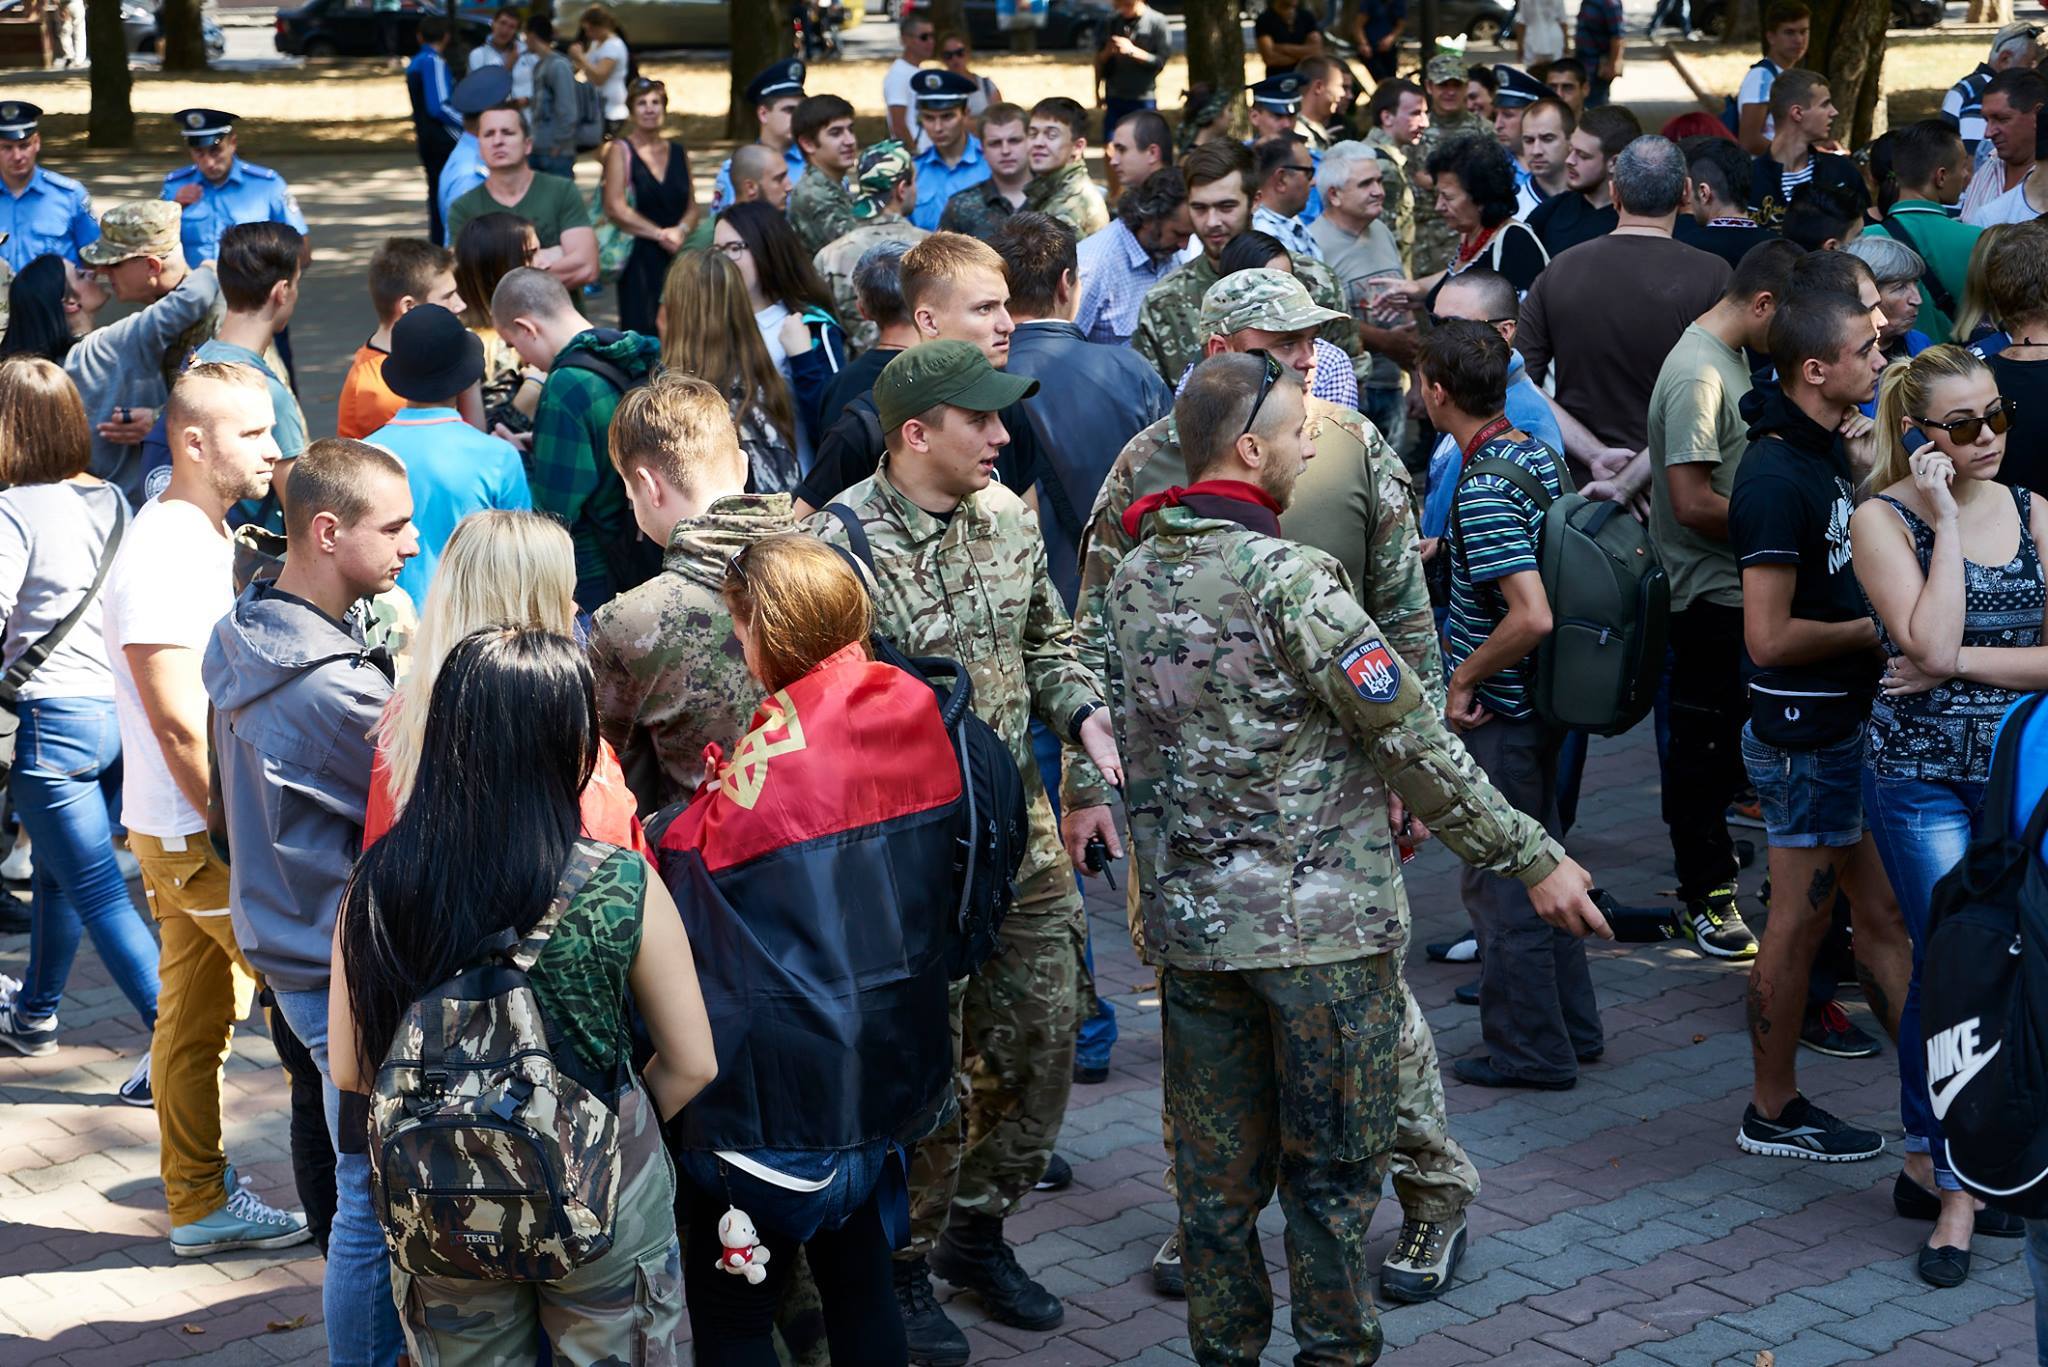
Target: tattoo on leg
<point>1757,1004</point>
<point>1880,1001</point>
<point>1820,894</point>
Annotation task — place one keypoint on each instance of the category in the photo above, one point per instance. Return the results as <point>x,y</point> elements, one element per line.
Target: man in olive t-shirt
<point>1697,437</point>
<point>552,204</point>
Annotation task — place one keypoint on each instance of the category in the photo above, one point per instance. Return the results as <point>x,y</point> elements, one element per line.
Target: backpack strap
<point>585,858</point>
<point>597,365</point>
<point>1929,279</point>
<point>32,659</point>
<point>856,534</point>
<point>1500,467</point>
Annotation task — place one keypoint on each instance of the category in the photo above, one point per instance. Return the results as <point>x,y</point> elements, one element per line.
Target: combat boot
<point>933,1339</point>
<point>973,1255</point>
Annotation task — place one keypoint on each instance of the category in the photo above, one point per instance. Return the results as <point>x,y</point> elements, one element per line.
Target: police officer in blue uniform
<point>485,88</point>
<point>1514,91</point>
<point>1276,111</point>
<point>42,213</point>
<point>219,189</point>
<point>782,81</point>
<point>942,174</point>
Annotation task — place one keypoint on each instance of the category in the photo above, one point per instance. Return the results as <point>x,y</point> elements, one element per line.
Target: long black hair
<point>1250,250</point>
<point>783,266</point>
<point>36,325</point>
<point>480,845</point>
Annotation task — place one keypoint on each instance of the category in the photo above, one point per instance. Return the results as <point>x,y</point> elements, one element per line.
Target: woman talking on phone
<point>1950,561</point>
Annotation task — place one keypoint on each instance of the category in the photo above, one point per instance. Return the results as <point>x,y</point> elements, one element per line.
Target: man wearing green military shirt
<point>1262,752</point>
<point>1399,114</point>
<point>819,207</point>
<point>1058,146</point>
<point>1436,242</point>
<point>959,571</point>
<point>1353,504</point>
<point>1220,196</point>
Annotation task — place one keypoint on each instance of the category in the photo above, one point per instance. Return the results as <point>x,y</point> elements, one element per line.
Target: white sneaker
<point>19,866</point>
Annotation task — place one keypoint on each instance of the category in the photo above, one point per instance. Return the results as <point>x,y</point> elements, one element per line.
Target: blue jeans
<point>2037,1263</point>
<point>1922,828</point>
<point>1097,1035</point>
<point>564,166</point>
<point>362,1319</point>
<point>67,790</point>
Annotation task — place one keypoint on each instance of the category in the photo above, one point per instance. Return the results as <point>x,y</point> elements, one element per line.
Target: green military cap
<point>922,377</point>
<point>881,169</point>
<point>1445,66</point>
<point>139,227</point>
<point>1272,300</point>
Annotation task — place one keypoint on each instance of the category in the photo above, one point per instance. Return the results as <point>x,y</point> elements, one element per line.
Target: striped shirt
<point>1963,106</point>
<point>1493,535</point>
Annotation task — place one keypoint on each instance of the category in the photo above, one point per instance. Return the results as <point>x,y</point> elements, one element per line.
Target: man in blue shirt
<point>453,469</point>
<point>774,94</point>
<point>485,88</point>
<point>435,124</point>
<point>42,213</point>
<point>955,160</point>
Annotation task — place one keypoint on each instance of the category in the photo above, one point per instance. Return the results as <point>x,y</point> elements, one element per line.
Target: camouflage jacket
<point>977,210</point>
<point>670,678</point>
<point>974,588</point>
<point>1069,196</point>
<point>821,211</point>
<point>1262,717</point>
<point>836,261</point>
<point>1400,208</point>
<point>1169,334</point>
<point>1436,244</point>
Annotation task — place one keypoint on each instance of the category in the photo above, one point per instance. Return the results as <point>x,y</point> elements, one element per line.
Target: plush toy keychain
<point>740,1250</point>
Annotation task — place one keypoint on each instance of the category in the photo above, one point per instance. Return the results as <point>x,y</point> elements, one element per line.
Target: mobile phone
<point>1915,439</point>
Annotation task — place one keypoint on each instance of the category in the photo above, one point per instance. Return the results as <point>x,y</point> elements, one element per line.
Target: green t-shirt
<point>1696,418</point>
<point>552,205</point>
<point>580,976</point>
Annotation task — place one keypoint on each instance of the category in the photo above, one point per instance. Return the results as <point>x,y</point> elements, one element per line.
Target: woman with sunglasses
<point>1951,564</point>
<point>956,52</point>
<point>647,195</point>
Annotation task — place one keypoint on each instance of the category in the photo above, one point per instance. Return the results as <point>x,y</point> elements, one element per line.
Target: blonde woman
<point>707,331</point>
<point>500,569</point>
<point>1950,561</point>
<point>1975,322</point>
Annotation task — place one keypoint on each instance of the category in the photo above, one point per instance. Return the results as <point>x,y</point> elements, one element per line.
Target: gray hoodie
<point>295,695</point>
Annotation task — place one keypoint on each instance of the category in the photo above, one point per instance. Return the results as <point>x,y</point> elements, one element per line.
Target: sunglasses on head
<point>1274,371</point>
<point>1964,431</point>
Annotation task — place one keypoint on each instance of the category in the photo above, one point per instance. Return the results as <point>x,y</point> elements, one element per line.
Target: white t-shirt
<point>1756,89</point>
<point>2010,207</point>
<point>523,63</point>
<point>896,94</point>
<point>172,581</point>
<point>1986,188</point>
<point>770,321</point>
<point>614,87</point>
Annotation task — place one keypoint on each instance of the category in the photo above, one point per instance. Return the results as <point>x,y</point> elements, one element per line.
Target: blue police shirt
<point>248,194</point>
<point>721,188</point>
<point>938,182</point>
<point>461,173</point>
<point>51,216</point>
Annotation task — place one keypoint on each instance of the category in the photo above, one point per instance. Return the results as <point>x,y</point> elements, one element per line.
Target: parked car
<point>1078,24</point>
<point>141,32</point>
<point>675,23</point>
<point>356,28</point>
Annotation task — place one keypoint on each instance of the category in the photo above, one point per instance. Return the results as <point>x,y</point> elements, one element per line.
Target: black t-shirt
<point>1790,506</point>
<point>1566,220</point>
<point>2026,445</point>
<point>857,378</point>
<point>1270,25</point>
<point>1521,260</point>
<point>1769,195</point>
<point>1727,242</point>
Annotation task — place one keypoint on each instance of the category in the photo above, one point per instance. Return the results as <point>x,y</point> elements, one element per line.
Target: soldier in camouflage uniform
<point>819,207</point>
<point>1355,503</point>
<point>1059,175</point>
<point>1400,115</point>
<point>1169,335</point>
<point>1436,245</point>
<point>959,570</point>
<point>886,182</point>
<point>670,677</point>
<point>1266,717</point>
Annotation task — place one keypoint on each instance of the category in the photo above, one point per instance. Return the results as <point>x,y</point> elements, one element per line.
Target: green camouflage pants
<point>1433,1177</point>
<point>627,1306</point>
<point>1286,1077</point>
<point>1013,1033</point>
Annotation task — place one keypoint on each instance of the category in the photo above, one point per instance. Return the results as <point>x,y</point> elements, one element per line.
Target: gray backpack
<point>589,117</point>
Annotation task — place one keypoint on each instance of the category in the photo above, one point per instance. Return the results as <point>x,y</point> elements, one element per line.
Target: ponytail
<point>1902,394</point>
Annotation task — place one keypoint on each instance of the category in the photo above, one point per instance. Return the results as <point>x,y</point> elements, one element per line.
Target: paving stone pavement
<point>1617,1222</point>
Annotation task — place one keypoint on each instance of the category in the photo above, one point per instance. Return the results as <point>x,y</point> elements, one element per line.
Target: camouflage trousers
<point>1281,1077</point>
<point>1013,1041</point>
<point>627,1306</point>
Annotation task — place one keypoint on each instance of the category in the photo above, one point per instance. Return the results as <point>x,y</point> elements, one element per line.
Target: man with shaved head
<point>760,172</point>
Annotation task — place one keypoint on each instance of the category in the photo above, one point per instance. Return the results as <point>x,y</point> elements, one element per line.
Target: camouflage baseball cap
<point>881,169</point>
<point>1271,300</point>
<point>1444,67</point>
<point>925,376</point>
<point>138,227</point>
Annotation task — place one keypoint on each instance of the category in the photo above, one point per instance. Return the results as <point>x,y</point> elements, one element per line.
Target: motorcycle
<point>815,27</point>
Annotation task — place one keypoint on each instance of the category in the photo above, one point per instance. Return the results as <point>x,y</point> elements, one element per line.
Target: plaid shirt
<point>1600,23</point>
<point>570,470</point>
<point>1115,272</point>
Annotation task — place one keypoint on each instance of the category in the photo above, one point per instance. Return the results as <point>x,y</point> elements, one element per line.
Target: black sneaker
<point>1713,923</point>
<point>1804,1130</point>
<point>1058,1176</point>
<point>1089,1074</point>
<point>935,1341</point>
<point>1828,1030</point>
<point>136,1090</point>
<point>1166,1274</point>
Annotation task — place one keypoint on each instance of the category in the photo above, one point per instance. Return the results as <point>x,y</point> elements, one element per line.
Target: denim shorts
<point>1810,798</point>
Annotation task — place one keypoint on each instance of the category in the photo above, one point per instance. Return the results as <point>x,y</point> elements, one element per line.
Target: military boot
<point>933,1339</point>
<point>973,1255</point>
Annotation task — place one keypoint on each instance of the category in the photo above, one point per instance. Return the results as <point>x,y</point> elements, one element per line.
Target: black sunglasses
<point>1438,320</point>
<point>952,52</point>
<point>1274,371</point>
<point>1964,431</point>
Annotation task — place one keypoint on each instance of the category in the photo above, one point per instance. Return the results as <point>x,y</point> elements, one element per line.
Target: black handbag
<point>19,673</point>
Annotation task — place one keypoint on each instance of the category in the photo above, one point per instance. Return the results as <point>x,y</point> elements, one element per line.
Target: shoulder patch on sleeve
<point>1372,669</point>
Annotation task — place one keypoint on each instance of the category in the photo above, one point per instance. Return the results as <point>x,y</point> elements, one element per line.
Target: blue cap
<point>783,78</point>
<point>1279,94</point>
<point>18,120</point>
<point>1515,88</point>
<point>936,88</point>
<point>485,88</point>
<point>203,127</point>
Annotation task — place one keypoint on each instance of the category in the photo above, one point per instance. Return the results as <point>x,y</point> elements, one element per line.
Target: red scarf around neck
<point>1232,499</point>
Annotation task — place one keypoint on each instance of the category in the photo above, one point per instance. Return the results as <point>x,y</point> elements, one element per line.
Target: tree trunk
<point>112,120</point>
<point>1851,32</point>
<point>760,35</point>
<point>184,41</point>
<point>948,16</point>
<point>1215,38</point>
<point>1745,22</point>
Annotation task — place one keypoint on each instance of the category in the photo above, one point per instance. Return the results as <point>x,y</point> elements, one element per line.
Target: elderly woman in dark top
<point>1475,192</point>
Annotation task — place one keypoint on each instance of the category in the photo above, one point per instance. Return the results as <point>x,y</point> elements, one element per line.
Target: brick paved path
<point>1618,1222</point>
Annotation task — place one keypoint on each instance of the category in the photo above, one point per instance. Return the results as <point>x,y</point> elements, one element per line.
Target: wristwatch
<point>1081,714</point>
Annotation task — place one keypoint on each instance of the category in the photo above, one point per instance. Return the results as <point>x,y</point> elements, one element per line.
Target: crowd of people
<point>543,748</point>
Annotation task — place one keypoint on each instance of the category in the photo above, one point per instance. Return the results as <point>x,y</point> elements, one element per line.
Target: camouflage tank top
<point>580,976</point>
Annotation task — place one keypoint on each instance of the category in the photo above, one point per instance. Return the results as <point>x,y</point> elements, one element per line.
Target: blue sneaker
<point>36,1038</point>
<point>244,1222</point>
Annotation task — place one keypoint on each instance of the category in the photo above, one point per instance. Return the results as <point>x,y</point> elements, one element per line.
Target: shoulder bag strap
<point>855,533</point>
<point>32,659</point>
<point>586,857</point>
<point>1930,279</point>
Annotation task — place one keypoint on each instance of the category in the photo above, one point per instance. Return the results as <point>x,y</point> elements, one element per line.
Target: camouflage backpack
<point>491,1160</point>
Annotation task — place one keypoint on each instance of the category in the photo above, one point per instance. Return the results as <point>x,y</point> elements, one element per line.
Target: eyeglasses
<point>1273,373</point>
<point>1964,431</point>
<point>1437,320</point>
<point>735,250</point>
<point>736,567</point>
<point>954,54</point>
<point>1305,170</point>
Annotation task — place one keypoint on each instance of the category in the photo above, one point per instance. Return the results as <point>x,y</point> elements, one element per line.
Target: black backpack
<point>997,820</point>
<point>1984,998</point>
